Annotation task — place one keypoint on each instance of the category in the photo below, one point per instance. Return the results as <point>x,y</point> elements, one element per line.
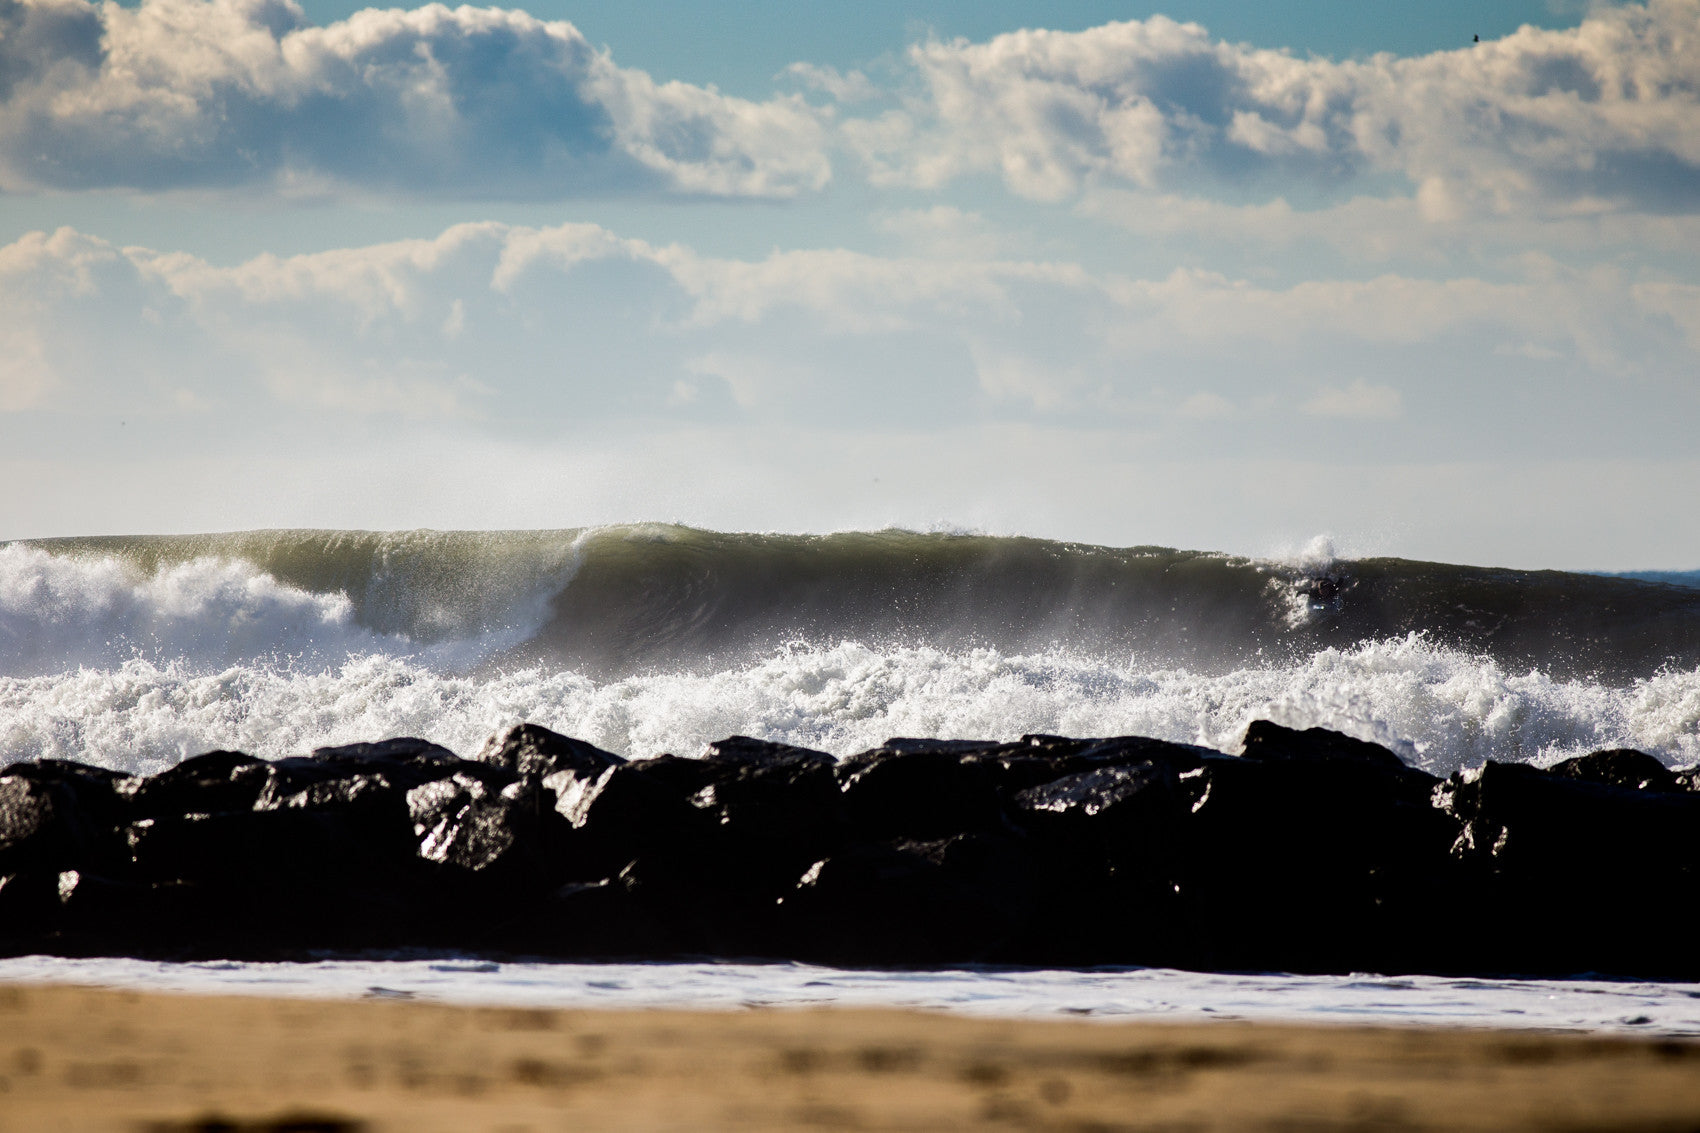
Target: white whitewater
<point>1148,994</point>
<point>1439,708</point>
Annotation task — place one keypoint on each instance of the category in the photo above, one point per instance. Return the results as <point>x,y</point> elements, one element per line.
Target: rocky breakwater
<point>1310,851</point>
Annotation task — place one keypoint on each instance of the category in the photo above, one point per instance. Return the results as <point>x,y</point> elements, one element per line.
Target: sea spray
<point>1440,708</point>
<point>136,652</point>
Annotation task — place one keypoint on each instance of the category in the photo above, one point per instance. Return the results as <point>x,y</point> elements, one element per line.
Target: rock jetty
<point>1310,851</point>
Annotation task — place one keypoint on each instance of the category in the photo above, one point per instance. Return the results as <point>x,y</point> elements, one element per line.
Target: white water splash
<point>1439,708</point>
<point>64,612</point>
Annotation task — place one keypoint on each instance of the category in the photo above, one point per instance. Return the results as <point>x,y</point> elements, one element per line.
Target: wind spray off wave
<point>137,652</point>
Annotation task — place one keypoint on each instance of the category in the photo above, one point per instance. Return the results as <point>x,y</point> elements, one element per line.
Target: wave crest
<point>59,613</point>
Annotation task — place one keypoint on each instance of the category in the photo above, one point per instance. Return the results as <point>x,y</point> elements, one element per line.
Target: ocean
<point>135,652</point>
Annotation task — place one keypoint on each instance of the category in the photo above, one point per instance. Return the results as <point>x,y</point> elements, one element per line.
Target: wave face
<point>135,652</point>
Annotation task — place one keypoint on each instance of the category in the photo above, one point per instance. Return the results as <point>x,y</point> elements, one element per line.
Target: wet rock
<point>1123,817</point>
<point>778,795</point>
<point>966,898</point>
<point>746,751</point>
<point>28,897</point>
<point>1366,764</point>
<point>773,810</point>
<point>631,810</point>
<point>90,901</point>
<point>405,762</point>
<point>907,790</point>
<point>1311,851</point>
<point>41,825</point>
<point>370,778</point>
<point>1621,767</point>
<point>1045,759</point>
<point>211,782</point>
<point>360,790</point>
<point>279,881</point>
<point>59,814</point>
<point>255,849</point>
<point>530,751</point>
<point>407,751</point>
<point>610,918</point>
<point>910,745</point>
<point>1108,840</point>
<point>1123,750</point>
<point>1520,820</point>
<point>463,823</point>
<point>1575,874</point>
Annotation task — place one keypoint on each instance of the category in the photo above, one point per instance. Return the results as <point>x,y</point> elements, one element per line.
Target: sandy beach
<point>74,1058</point>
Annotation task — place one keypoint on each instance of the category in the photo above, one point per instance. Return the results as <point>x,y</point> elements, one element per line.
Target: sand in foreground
<point>86,1059</point>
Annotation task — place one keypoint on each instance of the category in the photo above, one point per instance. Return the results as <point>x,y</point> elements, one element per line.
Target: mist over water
<point>135,653</point>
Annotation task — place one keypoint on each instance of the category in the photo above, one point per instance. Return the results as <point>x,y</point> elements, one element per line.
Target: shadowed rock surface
<point>1311,851</point>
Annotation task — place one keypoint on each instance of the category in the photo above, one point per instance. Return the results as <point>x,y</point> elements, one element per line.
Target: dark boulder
<point>1366,764</point>
<point>211,782</point>
<point>492,855</point>
<point>968,898</point>
<point>1043,759</point>
<point>1519,820</point>
<point>76,912</point>
<point>1054,745</point>
<point>911,745</point>
<point>42,827</point>
<point>530,751</point>
<point>610,918</point>
<point>679,775</point>
<point>1118,820</point>
<point>634,810</point>
<point>462,823</point>
<point>61,814</point>
<point>1123,750</point>
<point>1574,874</point>
<point>289,848</point>
<point>918,793</point>
<point>701,848</point>
<point>404,762</point>
<point>1621,767</point>
<point>773,810</point>
<point>356,791</point>
<point>1310,851</point>
<point>403,750</point>
<point>95,787</point>
<point>780,795</point>
<point>371,779</point>
<point>746,751</point>
<point>29,897</point>
<point>1313,851</point>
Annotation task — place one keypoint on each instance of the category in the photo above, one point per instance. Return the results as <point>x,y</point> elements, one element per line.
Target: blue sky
<point>1207,274</point>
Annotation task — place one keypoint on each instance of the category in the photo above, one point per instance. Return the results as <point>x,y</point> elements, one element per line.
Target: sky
<point>1202,274</point>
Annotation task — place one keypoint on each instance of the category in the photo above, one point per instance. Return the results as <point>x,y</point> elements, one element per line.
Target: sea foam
<point>1439,708</point>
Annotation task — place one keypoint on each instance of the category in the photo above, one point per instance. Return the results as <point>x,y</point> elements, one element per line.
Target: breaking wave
<point>135,652</point>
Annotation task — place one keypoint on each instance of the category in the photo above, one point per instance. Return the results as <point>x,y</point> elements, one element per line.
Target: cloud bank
<point>492,103</point>
<point>1604,116</point>
<point>468,102</point>
<point>537,331</point>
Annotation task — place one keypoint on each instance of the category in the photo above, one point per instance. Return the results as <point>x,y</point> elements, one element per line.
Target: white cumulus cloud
<point>1604,116</point>
<point>433,101</point>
